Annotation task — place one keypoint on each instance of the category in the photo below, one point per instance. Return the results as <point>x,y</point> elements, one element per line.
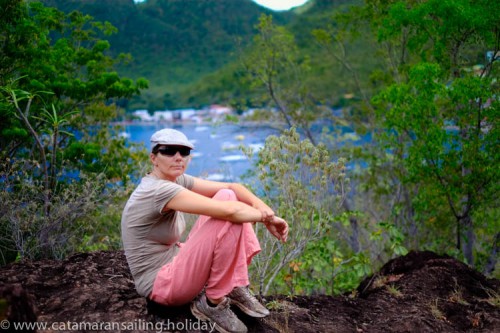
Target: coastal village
<point>212,112</point>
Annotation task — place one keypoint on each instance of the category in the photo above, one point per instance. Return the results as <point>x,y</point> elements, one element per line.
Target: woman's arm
<point>191,202</point>
<point>209,188</point>
<point>198,201</point>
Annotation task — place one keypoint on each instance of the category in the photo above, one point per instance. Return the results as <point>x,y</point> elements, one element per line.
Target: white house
<point>216,110</point>
<point>159,116</point>
<point>185,114</point>
<point>143,115</point>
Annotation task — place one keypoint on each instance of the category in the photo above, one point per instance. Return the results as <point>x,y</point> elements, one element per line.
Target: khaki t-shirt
<point>148,235</point>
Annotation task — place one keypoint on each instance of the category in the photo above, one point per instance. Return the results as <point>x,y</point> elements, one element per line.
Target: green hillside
<point>327,78</point>
<point>189,50</point>
<point>176,42</point>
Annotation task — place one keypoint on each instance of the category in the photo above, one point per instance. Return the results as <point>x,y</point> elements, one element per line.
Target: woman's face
<point>170,161</point>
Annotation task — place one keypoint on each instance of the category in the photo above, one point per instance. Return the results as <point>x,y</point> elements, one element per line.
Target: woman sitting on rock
<point>209,269</point>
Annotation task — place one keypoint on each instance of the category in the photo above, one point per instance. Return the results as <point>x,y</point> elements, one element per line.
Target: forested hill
<point>174,42</point>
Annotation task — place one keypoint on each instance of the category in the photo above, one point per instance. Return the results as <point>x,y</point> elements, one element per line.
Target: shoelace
<point>249,295</point>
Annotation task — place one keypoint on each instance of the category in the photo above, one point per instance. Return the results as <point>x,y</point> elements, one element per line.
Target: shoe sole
<point>201,316</point>
<point>248,311</point>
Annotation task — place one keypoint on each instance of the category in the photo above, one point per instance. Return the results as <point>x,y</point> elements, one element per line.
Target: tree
<point>461,163</point>
<point>58,58</point>
<point>428,87</point>
<point>290,163</point>
<point>57,97</point>
<point>449,136</point>
<point>273,60</point>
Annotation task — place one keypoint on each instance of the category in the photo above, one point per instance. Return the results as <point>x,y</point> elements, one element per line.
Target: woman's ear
<point>152,157</point>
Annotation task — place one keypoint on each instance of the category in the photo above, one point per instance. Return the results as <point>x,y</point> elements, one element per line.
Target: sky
<point>280,4</point>
<point>273,4</point>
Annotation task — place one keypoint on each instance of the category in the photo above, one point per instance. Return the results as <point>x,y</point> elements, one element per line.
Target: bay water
<point>217,154</point>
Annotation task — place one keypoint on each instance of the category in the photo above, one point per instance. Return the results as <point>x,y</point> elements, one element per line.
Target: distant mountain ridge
<point>174,42</point>
<point>188,49</point>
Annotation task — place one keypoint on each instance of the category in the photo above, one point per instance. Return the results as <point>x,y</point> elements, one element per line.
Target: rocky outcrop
<point>420,292</point>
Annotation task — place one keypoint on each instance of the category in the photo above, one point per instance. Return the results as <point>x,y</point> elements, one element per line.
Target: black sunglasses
<point>172,150</point>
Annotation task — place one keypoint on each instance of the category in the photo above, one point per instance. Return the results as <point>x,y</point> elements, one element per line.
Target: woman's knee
<point>225,195</point>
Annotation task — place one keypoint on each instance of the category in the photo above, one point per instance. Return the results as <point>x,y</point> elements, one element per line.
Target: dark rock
<point>16,306</point>
<point>420,292</point>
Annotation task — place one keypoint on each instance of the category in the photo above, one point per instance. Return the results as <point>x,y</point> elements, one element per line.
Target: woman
<point>210,269</point>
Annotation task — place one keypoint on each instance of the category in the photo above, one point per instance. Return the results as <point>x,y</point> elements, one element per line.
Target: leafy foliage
<point>272,64</point>
<point>303,184</point>
<point>434,114</point>
<point>33,230</point>
<point>56,101</point>
<point>429,170</point>
<point>449,135</point>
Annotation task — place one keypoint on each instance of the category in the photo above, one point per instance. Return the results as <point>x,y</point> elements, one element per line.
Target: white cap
<point>169,136</point>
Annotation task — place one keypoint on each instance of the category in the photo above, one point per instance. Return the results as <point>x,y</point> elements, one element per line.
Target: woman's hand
<point>278,228</point>
<point>267,214</point>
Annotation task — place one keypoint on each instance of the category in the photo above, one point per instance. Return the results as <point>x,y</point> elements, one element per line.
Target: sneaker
<point>221,316</point>
<point>246,301</point>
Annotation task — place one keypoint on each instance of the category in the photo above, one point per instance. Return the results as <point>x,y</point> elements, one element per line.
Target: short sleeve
<point>166,190</point>
<point>186,181</point>
<point>164,193</point>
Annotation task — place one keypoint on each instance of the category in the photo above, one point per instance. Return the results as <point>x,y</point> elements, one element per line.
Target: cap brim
<point>173,143</point>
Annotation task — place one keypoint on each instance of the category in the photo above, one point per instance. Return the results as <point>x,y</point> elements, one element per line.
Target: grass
<point>280,323</point>
<point>457,297</point>
<point>435,311</point>
<point>494,298</point>
<point>394,290</point>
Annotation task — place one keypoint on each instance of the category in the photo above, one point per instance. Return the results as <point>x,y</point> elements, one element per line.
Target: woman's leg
<point>215,256</point>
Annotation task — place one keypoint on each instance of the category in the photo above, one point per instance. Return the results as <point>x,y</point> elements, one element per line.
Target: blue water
<point>216,155</point>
